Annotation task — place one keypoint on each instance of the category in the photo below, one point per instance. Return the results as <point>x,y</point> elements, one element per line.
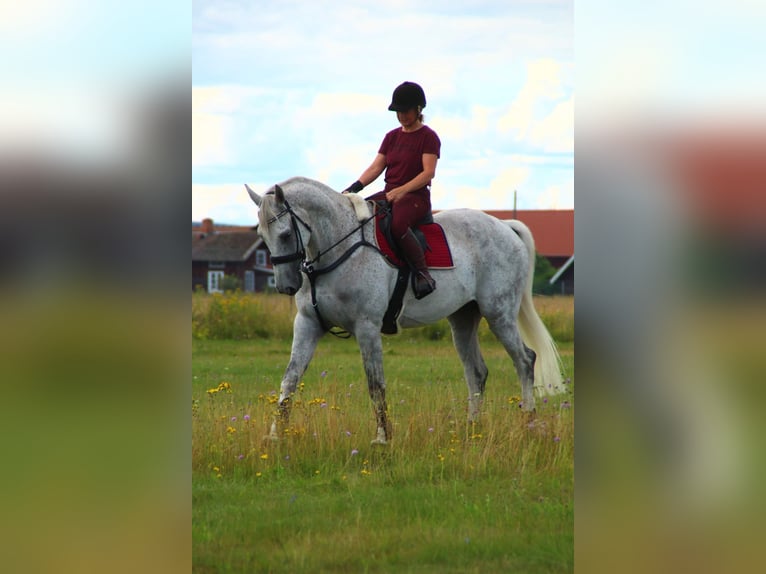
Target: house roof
<point>553,229</point>
<point>224,245</point>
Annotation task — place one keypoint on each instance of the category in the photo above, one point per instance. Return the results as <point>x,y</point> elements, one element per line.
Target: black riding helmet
<point>407,96</point>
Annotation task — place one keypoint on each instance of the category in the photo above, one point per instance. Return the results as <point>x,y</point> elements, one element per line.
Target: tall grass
<point>238,315</point>
<point>443,496</point>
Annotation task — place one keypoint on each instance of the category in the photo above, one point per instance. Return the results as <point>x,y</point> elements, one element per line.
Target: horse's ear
<point>254,196</point>
<point>279,194</point>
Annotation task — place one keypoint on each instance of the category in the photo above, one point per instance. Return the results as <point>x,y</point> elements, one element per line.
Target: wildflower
<point>233,419</point>
<point>565,404</point>
<point>354,452</point>
<point>430,429</point>
<point>264,456</point>
<point>348,433</point>
<point>258,474</point>
<point>556,438</point>
<point>365,472</point>
<point>240,457</point>
<point>323,405</point>
<point>323,374</point>
<point>231,430</point>
<point>440,457</point>
<point>514,399</point>
<point>246,418</point>
<point>316,472</point>
<point>545,399</point>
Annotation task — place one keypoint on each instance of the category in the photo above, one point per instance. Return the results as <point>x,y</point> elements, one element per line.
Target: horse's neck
<point>331,220</point>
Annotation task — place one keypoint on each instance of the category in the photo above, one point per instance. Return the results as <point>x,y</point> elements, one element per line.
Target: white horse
<point>315,232</point>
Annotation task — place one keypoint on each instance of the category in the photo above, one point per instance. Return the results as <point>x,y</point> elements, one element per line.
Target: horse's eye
<point>285,234</point>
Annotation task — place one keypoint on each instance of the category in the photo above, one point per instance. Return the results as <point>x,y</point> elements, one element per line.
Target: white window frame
<point>214,280</point>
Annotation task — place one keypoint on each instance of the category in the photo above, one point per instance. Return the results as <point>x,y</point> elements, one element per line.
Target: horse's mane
<point>299,183</point>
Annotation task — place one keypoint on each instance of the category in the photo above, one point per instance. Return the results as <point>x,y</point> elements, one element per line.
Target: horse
<point>314,232</point>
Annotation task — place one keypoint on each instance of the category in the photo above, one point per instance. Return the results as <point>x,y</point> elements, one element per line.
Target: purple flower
<point>233,419</point>
<point>354,452</point>
<point>565,405</point>
<point>323,374</point>
<point>430,429</point>
<point>545,400</point>
<point>246,418</point>
<point>323,405</point>
<point>241,456</point>
<point>348,433</point>
<point>556,438</point>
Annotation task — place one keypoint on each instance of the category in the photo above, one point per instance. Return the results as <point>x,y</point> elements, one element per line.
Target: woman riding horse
<point>408,155</point>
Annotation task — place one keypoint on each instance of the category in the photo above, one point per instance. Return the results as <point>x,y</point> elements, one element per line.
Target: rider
<point>408,155</point>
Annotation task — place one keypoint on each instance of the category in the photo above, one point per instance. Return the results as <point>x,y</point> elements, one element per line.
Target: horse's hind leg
<point>523,357</point>
<point>371,347</point>
<point>465,327</point>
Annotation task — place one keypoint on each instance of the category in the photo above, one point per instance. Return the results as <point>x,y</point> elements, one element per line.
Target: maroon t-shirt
<point>404,155</point>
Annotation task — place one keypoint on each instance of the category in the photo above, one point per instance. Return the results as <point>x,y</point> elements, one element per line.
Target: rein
<point>307,266</point>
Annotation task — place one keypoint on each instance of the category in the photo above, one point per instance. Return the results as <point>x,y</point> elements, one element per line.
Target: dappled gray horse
<point>315,232</point>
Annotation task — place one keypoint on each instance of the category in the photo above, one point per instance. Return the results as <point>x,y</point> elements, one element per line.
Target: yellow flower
<point>258,474</point>
<point>514,399</point>
<point>231,430</point>
<point>264,456</point>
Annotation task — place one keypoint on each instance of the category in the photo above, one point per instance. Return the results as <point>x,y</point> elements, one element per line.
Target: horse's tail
<point>548,366</point>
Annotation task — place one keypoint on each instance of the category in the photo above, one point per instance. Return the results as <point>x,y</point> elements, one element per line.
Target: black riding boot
<point>422,283</point>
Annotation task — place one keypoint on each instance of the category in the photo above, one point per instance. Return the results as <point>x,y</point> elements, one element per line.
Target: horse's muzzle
<point>290,288</point>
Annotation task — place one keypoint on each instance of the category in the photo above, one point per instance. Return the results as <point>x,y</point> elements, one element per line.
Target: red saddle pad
<point>438,254</point>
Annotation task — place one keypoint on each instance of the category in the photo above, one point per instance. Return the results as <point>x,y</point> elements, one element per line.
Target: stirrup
<point>422,285</point>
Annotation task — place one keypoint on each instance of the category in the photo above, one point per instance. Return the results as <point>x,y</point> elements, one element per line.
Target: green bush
<point>238,315</point>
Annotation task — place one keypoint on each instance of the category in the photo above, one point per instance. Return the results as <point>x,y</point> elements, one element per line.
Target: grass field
<point>441,497</point>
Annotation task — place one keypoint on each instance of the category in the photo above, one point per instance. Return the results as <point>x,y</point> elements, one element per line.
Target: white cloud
<point>210,139</point>
<point>225,203</point>
<point>559,196</point>
<point>555,132</point>
<point>543,84</point>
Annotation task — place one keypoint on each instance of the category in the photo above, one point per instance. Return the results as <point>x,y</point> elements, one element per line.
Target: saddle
<point>435,247</point>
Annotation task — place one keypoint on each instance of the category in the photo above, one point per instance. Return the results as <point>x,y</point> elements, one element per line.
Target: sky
<point>294,88</point>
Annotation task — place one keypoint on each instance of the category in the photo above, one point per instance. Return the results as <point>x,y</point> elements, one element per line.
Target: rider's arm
<point>369,175</point>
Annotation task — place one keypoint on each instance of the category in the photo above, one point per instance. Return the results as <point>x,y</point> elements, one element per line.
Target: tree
<point>543,273</point>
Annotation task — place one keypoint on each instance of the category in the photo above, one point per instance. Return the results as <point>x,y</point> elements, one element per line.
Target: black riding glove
<point>355,187</point>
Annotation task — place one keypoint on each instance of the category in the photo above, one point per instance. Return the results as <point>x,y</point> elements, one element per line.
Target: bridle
<point>300,248</point>
<point>307,266</point>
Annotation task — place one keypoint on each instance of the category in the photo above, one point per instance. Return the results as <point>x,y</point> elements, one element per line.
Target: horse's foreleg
<point>371,348</point>
<point>306,335</point>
